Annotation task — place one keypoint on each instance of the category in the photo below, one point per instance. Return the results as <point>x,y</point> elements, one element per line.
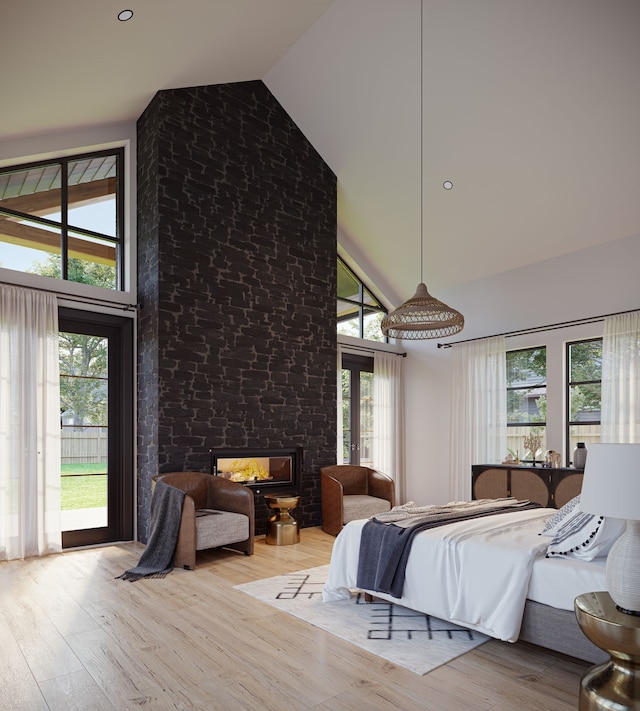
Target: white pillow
<point>585,536</point>
<point>553,523</point>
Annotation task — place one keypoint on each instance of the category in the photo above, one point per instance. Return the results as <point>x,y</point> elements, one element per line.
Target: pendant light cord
<point>421,140</point>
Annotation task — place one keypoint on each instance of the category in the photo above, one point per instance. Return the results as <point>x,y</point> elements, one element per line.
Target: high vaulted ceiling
<point>530,107</point>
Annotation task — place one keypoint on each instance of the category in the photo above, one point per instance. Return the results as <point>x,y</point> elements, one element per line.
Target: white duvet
<point>474,573</point>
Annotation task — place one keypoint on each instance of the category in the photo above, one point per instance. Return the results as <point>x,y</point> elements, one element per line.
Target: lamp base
<point>623,570</point>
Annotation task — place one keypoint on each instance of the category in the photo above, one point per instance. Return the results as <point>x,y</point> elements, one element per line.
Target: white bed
<point>488,574</point>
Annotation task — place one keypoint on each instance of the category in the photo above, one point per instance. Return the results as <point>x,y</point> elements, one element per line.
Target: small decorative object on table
<point>580,456</point>
<point>283,529</point>
<point>533,443</point>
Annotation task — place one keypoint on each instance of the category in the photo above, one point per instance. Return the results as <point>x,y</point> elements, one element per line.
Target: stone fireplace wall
<point>237,287</point>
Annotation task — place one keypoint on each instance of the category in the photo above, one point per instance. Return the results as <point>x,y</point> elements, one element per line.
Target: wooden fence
<point>84,447</point>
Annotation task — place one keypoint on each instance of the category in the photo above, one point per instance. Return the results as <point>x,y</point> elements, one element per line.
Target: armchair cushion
<point>220,528</point>
<point>362,506</point>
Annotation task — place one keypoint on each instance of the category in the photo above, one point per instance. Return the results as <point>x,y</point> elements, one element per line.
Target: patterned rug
<point>406,638</point>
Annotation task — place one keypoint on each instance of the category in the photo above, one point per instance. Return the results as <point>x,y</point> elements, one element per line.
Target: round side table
<point>612,685</point>
<point>283,529</point>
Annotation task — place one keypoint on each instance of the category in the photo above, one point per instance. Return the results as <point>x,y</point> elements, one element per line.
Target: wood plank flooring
<point>72,637</point>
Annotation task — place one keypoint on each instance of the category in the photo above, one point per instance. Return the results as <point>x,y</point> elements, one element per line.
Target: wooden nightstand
<point>614,684</point>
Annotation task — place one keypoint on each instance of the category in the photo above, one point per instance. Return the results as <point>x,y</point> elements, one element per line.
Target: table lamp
<point>611,488</point>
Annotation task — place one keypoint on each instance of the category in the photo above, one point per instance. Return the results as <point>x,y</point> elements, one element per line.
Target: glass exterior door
<point>96,420</point>
<point>357,409</point>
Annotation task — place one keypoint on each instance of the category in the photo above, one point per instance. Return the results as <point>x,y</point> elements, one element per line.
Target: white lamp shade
<point>611,483</point>
<point>611,487</point>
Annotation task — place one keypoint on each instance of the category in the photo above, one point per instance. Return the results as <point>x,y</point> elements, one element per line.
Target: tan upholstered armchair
<point>216,512</point>
<point>351,492</point>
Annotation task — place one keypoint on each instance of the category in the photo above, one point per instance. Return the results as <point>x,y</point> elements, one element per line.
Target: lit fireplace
<point>261,469</point>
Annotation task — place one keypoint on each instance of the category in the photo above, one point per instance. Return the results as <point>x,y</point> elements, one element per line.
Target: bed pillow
<point>585,536</point>
<point>553,523</point>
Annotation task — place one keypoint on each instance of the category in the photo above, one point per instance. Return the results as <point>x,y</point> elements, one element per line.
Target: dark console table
<point>549,487</point>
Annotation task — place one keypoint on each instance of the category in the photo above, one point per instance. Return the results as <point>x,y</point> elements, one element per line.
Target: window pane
<point>32,191</point>
<point>92,194</point>
<point>26,242</point>
<point>527,405</point>
<point>346,416</point>
<point>585,361</point>
<point>348,285</point>
<point>84,437</point>
<point>526,367</point>
<point>348,319</point>
<point>584,403</point>
<point>369,298</point>
<point>92,261</point>
<point>366,418</point>
<point>589,434</point>
<point>346,310</point>
<point>372,321</point>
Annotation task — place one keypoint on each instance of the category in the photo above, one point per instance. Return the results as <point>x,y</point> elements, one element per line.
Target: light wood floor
<point>74,637</point>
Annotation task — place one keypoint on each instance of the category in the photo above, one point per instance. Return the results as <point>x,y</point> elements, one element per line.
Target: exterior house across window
<point>359,311</point>
<point>584,393</point>
<point>526,400</point>
<point>64,218</point>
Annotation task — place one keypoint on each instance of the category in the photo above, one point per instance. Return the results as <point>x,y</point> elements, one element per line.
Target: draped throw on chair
<point>29,424</point>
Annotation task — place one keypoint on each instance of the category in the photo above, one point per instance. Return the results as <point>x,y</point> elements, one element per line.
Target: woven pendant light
<point>422,316</point>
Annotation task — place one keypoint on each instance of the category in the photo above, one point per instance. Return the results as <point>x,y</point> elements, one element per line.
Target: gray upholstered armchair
<point>351,492</point>
<point>216,513</point>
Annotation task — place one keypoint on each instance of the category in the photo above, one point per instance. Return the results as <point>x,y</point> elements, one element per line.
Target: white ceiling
<point>530,107</point>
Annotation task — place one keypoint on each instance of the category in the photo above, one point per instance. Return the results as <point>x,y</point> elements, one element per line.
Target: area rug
<point>406,638</point>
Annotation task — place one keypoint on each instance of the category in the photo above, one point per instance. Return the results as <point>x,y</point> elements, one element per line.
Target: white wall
<point>592,282</point>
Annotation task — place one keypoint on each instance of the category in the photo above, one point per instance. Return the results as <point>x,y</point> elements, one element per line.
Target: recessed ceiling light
<point>125,15</point>
<point>447,185</point>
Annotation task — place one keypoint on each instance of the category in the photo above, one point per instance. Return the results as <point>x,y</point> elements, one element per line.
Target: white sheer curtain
<point>478,410</point>
<point>388,418</point>
<point>339,444</point>
<point>620,419</point>
<point>29,424</point>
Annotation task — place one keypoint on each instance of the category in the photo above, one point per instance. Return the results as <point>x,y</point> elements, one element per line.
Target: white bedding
<point>475,573</point>
<point>558,581</point>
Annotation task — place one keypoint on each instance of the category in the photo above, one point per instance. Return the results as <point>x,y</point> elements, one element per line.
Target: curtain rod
<point>78,299</point>
<point>369,348</point>
<point>536,329</point>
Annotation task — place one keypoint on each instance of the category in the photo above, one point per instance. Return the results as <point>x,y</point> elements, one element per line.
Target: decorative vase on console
<point>580,456</point>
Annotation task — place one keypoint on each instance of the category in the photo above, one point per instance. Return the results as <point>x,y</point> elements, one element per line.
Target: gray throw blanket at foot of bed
<point>385,547</point>
<point>164,524</point>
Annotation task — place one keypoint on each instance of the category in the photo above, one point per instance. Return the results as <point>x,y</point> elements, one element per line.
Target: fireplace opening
<point>269,469</point>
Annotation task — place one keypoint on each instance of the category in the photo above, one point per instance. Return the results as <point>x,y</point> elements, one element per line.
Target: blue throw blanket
<point>385,547</point>
<point>164,522</point>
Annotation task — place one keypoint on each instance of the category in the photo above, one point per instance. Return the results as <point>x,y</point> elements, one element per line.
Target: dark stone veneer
<point>237,287</point>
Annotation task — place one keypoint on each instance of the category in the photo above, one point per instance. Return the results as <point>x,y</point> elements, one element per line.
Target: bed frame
<point>559,631</point>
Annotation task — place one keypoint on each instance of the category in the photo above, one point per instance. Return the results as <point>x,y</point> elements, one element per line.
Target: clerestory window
<point>359,311</point>
<point>64,218</point>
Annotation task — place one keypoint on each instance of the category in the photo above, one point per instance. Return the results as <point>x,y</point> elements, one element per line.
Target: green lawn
<point>87,489</point>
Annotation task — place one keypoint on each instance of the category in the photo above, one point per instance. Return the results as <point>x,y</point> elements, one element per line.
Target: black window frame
<point>361,306</point>
<point>568,385</point>
<point>355,364</point>
<point>529,423</point>
<point>65,227</point>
